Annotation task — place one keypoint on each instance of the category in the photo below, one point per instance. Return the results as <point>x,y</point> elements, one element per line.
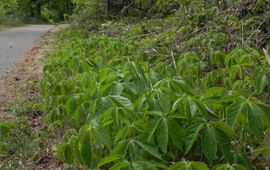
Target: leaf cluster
<point>122,109</point>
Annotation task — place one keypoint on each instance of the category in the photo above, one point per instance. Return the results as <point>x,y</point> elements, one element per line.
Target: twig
<point>266,55</point>
<point>265,20</point>
<point>174,63</point>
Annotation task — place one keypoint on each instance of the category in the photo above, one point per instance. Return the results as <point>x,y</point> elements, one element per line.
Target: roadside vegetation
<point>171,85</point>
<point>162,85</point>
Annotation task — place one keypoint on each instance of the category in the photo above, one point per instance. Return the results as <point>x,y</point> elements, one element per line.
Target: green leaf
<point>102,104</point>
<point>151,127</point>
<point>123,102</point>
<point>213,91</point>
<point>86,148</point>
<point>103,136</point>
<point>264,150</point>
<point>164,101</point>
<point>209,144</point>
<point>121,165</point>
<point>191,135</point>
<point>79,115</point>
<point>233,113</point>
<point>239,167</point>
<point>179,166</point>
<point>121,134</point>
<point>188,165</point>
<point>221,167</point>
<point>182,86</point>
<point>223,127</point>
<point>109,159</point>
<point>229,167</point>
<point>176,134</point>
<point>71,105</point>
<point>117,88</point>
<point>120,148</point>
<point>150,149</point>
<point>91,63</point>
<point>265,109</point>
<point>260,83</point>
<point>199,166</point>
<point>224,144</point>
<point>243,159</point>
<point>163,135</point>
<point>255,122</point>
<point>68,156</point>
<point>146,165</point>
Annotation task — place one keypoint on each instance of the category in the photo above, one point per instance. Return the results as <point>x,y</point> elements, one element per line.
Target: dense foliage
<point>187,89</point>
<point>31,10</point>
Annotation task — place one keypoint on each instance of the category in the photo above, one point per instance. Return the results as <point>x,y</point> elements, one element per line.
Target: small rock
<point>17,79</point>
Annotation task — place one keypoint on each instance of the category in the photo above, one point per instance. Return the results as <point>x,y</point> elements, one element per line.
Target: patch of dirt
<point>29,69</point>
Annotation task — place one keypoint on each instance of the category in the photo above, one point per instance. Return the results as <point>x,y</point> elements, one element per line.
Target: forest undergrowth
<point>189,90</point>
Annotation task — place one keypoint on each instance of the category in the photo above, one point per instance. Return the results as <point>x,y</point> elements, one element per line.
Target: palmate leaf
<point>209,144</point>
<point>251,114</point>
<point>163,135</point>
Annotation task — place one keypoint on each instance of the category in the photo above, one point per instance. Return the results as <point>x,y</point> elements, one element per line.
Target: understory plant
<point>119,110</point>
<point>187,91</point>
